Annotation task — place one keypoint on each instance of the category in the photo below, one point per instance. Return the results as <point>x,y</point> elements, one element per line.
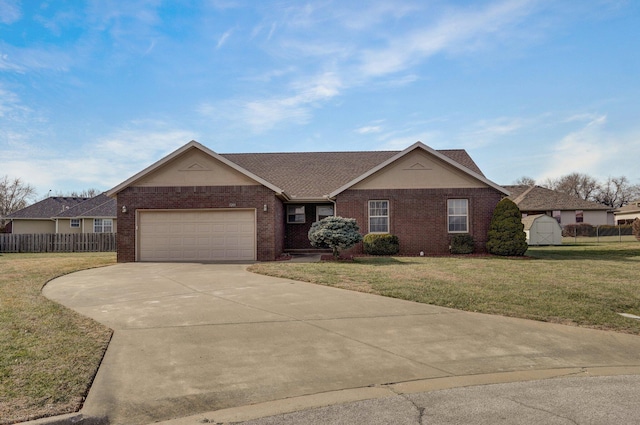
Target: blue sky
<point>91,92</point>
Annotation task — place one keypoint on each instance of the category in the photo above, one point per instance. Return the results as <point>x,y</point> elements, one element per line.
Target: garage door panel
<point>213,235</point>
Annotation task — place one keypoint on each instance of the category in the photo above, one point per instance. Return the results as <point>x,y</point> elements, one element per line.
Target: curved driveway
<point>193,338</point>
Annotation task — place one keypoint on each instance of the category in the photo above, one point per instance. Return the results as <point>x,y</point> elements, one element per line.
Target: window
<point>378,216</point>
<point>295,214</point>
<point>458,215</point>
<point>102,225</point>
<point>75,222</point>
<point>324,211</point>
<point>579,216</point>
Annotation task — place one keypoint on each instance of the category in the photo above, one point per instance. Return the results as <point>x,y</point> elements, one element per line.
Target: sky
<point>92,92</point>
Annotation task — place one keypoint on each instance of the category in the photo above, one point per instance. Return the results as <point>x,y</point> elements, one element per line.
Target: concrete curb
<point>296,404</point>
<point>68,419</point>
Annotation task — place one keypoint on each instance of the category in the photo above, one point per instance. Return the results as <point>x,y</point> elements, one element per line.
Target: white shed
<point>542,230</point>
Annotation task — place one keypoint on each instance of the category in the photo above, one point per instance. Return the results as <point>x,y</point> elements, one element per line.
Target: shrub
<point>506,233</point>
<point>578,229</point>
<point>636,228</point>
<point>335,232</point>
<point>462,244</point>
<point>381,244</point>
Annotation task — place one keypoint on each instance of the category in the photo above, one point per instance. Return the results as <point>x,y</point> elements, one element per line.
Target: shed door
<point>201,235</point>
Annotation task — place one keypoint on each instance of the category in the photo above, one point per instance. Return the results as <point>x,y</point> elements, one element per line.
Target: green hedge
<point>462,244</point>
<point>381,244</point>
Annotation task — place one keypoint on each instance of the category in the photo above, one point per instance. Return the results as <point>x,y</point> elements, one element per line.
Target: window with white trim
<point>324,211</point>
<point>458,215</point>
<point>75,222</point>
<point>102,225</point>
<point>378,216</point>
<point>295,214</point>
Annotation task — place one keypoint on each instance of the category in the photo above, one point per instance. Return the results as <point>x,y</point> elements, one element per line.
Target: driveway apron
<point>193,338</point>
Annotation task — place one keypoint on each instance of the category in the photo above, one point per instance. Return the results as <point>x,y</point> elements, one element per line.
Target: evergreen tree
<point>337,233</point>
<point>506,233</point>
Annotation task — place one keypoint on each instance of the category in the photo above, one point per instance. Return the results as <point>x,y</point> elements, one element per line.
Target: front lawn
<point>48,353</point>
<point>584,285</point>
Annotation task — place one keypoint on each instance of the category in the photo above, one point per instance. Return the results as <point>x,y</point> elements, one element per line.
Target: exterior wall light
<point>264,208</point>
<point>124,209</point>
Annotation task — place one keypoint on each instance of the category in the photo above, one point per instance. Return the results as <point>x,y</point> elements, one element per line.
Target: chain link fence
<point>586,233</point>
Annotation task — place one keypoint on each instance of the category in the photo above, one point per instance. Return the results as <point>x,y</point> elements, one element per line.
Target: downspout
<point>335,206</point>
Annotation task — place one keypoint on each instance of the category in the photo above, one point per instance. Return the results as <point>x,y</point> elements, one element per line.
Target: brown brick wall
<point>419,216</point>
<point>297,234</point>
<point>270,230</point>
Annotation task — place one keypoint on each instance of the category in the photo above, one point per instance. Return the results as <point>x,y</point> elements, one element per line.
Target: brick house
<point>198,205</point>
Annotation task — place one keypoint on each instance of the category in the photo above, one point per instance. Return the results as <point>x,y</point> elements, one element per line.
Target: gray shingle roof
<point>632,207</point>
<point>98,206</point>
<point>47,208</point>
<point>536,198</point>
<point>316,174</point>
<point>68,207</point>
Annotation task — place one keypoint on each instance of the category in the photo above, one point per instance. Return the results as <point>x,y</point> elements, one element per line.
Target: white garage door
<point>201,235</point>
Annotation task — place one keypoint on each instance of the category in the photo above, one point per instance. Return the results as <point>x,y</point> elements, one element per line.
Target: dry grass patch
<point>48,354</point>
<point>585,285</point>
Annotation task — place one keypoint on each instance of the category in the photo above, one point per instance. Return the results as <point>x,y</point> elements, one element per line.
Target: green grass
<point>48,354</point>
<point>584,285</point>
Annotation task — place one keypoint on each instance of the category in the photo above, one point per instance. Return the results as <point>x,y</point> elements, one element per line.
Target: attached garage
<point>197,235</point>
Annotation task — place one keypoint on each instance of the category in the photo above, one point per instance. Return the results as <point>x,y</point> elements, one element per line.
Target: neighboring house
<point>197,205</point>
<point>59,214</point>
<point>628,213</point>
<point>566,209</point>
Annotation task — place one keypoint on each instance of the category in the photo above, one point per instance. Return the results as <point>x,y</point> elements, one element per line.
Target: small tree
<point>635,228</point>
<point>506,232</point>
<point>337,233</point>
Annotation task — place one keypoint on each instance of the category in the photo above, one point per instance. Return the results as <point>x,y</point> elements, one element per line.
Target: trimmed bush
<point>506,232</point>
<point>337,233</point>
<point>636,228</point>
<point>578,229</point>
<point>462,244</point>
<point>381,244</point>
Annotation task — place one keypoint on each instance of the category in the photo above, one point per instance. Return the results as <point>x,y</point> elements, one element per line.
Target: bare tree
<point>86,193</point>
<point>525,181</point>
<point>577,184</point>
<point>617,192</point>
<point>14,195</point>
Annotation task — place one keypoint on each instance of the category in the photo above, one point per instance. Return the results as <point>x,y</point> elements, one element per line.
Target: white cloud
<point>583,150</point>
<point>369,129</point>
<point>105,162</point>
<point>264,114</point>
<point>223,38</point>
<point>454,31</point>
<point>9,12</point>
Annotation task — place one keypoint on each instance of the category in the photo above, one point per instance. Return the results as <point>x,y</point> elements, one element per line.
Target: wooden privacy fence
<point>62,242</point>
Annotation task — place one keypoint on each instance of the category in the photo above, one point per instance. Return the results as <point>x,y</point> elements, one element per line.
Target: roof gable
<point>194,166</point>
<point>420,147</point>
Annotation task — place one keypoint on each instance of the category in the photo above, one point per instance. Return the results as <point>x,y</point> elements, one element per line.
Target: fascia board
<point>192,144</point>
<point>419,145</point>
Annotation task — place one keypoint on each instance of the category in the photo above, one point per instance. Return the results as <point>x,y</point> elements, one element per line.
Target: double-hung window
<point>458,215</point>
<point>75,222</point>
<point>378,216</point>
<point>102,225</point>
<point>295,214</point>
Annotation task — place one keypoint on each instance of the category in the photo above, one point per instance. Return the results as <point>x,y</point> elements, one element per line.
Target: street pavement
<point>213,343</point>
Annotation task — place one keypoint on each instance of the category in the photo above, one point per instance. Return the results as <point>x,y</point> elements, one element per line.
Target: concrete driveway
<point>192,338</point>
